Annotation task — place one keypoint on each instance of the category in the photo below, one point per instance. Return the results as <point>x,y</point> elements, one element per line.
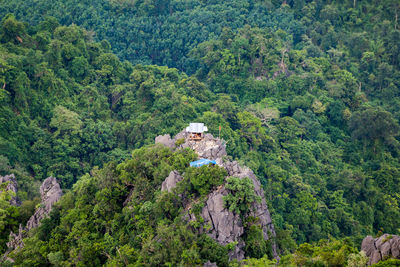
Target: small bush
<point>203,179</point>
<point>242,195</point>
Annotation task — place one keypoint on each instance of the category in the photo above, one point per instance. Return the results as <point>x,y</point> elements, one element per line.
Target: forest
<point>307,95</point>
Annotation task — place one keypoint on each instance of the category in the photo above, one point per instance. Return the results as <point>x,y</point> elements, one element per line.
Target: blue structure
<point>202,162</point>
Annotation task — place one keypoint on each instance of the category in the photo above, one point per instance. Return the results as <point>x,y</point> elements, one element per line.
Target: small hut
<point>196,131</point>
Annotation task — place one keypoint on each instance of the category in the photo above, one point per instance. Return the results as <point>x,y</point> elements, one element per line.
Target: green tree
<point>374,126</point>
<point>204,178</point>
<point>12,30</point>
<point>242,195</point>
<point>65,121</point>
<point>8,215</point>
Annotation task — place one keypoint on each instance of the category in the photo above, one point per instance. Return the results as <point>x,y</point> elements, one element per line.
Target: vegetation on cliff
<point>306,94</point>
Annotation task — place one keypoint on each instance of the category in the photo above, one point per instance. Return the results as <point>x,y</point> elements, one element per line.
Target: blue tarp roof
<point>201,162</point>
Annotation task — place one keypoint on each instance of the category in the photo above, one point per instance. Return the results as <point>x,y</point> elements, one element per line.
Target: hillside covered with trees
<point>306,94</point>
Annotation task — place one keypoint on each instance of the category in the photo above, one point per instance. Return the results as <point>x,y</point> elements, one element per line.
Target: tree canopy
<point>306,94</point>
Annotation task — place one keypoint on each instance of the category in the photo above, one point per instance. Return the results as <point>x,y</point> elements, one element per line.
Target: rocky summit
<point>226,226</point>
<point>306,93</point>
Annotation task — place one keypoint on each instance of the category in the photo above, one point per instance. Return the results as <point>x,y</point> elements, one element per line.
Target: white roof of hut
<point>195,127</point>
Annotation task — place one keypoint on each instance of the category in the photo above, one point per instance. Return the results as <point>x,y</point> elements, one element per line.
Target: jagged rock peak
<point>225,226</point>
<point>16,240</point>
<point>170,182</point>
<point>209,147</point>
<point>383,247</point>
<point>11,186</point>
<point>165,140</point>
<point>50,193</point>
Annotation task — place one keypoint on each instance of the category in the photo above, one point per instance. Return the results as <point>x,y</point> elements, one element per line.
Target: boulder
<point>165,140</point>
<point>11,186</point>
<point>50,192</point>
<point>170,182</point>
<point>383,247</point>
<point>368,245</point>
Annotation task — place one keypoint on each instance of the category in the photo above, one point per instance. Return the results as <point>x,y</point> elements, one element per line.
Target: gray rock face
<point>259,209</point>
<point>170,182</point>
<point>165,140</point>
<point>208,148</point>
<point>50,193</point>
<point>16,240</point>
<point>11,186</point>
<point>381,248</point>
<point>226,227</point>
<point>210,264</point>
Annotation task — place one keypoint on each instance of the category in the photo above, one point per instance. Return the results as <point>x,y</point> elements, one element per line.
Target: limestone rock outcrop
<point>259,209</point>
<point>224,226</point>
<point>50,193</point>
<point>208,148</point>
<point>170,182</point>
<point>383,247</point>
<point>16,240</point>
<point>11,186</point>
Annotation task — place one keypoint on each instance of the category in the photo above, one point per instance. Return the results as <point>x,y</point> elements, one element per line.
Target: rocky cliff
<point>381,248</point>
<point>50,193</point>
<point>226,226</point>
<point>11,186</point>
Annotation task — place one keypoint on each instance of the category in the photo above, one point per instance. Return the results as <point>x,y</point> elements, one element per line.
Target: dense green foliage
<point>306,93</point>
<point>205,177</point>
<point>8,215</point>
<point>158,32</point>
<point>68,104</point>
<point>326,253</point>
<point>241,195</point>
<point>117,215</point>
